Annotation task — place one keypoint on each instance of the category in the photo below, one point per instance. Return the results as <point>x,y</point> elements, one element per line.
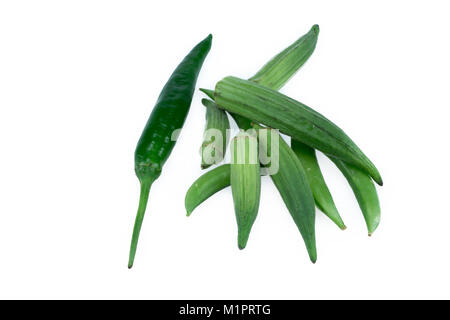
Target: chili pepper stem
<point>143,199</point>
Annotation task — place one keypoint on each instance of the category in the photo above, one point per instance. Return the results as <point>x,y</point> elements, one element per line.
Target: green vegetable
<point>168,115</point>
<point>208,92</point>
<point>284,65</point>
<point>242,122</point>
<point>208,184</point>
<point>322,195</point>
<point>275,74</point>
<point>293,118</point>
<point>293,185</point>
<point>290,182</point>
<point>307,157</point>
<point>213,149</point>
<point>365,193</point>
<point>245,184</point>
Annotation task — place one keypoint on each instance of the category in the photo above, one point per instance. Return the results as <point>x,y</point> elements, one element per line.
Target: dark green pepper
<point>159,135</point>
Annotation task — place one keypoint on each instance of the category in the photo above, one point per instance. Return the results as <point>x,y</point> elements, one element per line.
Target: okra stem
<point>209,93</point>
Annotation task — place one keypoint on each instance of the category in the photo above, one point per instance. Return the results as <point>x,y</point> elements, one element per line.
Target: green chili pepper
<point>168,115</point>
<point>215,138</point>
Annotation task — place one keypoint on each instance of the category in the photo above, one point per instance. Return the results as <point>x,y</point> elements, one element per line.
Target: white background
<point>78,80</point>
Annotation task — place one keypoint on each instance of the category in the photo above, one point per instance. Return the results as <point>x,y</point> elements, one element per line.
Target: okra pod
<point>245,184</point>
<point>361,184</point>
<point>215,138</point>
<point>285,64</point>
<point>204,187</point>
<point>365,192</point>
<point>293,185</point>
<point>269,107</point>
<point>274,74</point>
<point>322,196</point>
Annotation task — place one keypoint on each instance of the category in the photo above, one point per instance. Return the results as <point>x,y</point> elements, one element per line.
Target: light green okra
<point>215,138</point>
<point>360,182</point>
<point>275,73</point>
<point>245,183</point>
<point>322,196</point>
<point>290,180</point>
<point>292,192</point>
<point>206,185</point>
<point>365,193</point>
<point>292,183</point>
<point>269,107</point>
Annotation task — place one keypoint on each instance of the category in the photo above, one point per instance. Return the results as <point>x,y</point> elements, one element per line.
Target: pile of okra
<point>261,113</point>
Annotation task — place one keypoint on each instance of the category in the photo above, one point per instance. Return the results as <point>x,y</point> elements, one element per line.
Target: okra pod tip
<point>204,187</point>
